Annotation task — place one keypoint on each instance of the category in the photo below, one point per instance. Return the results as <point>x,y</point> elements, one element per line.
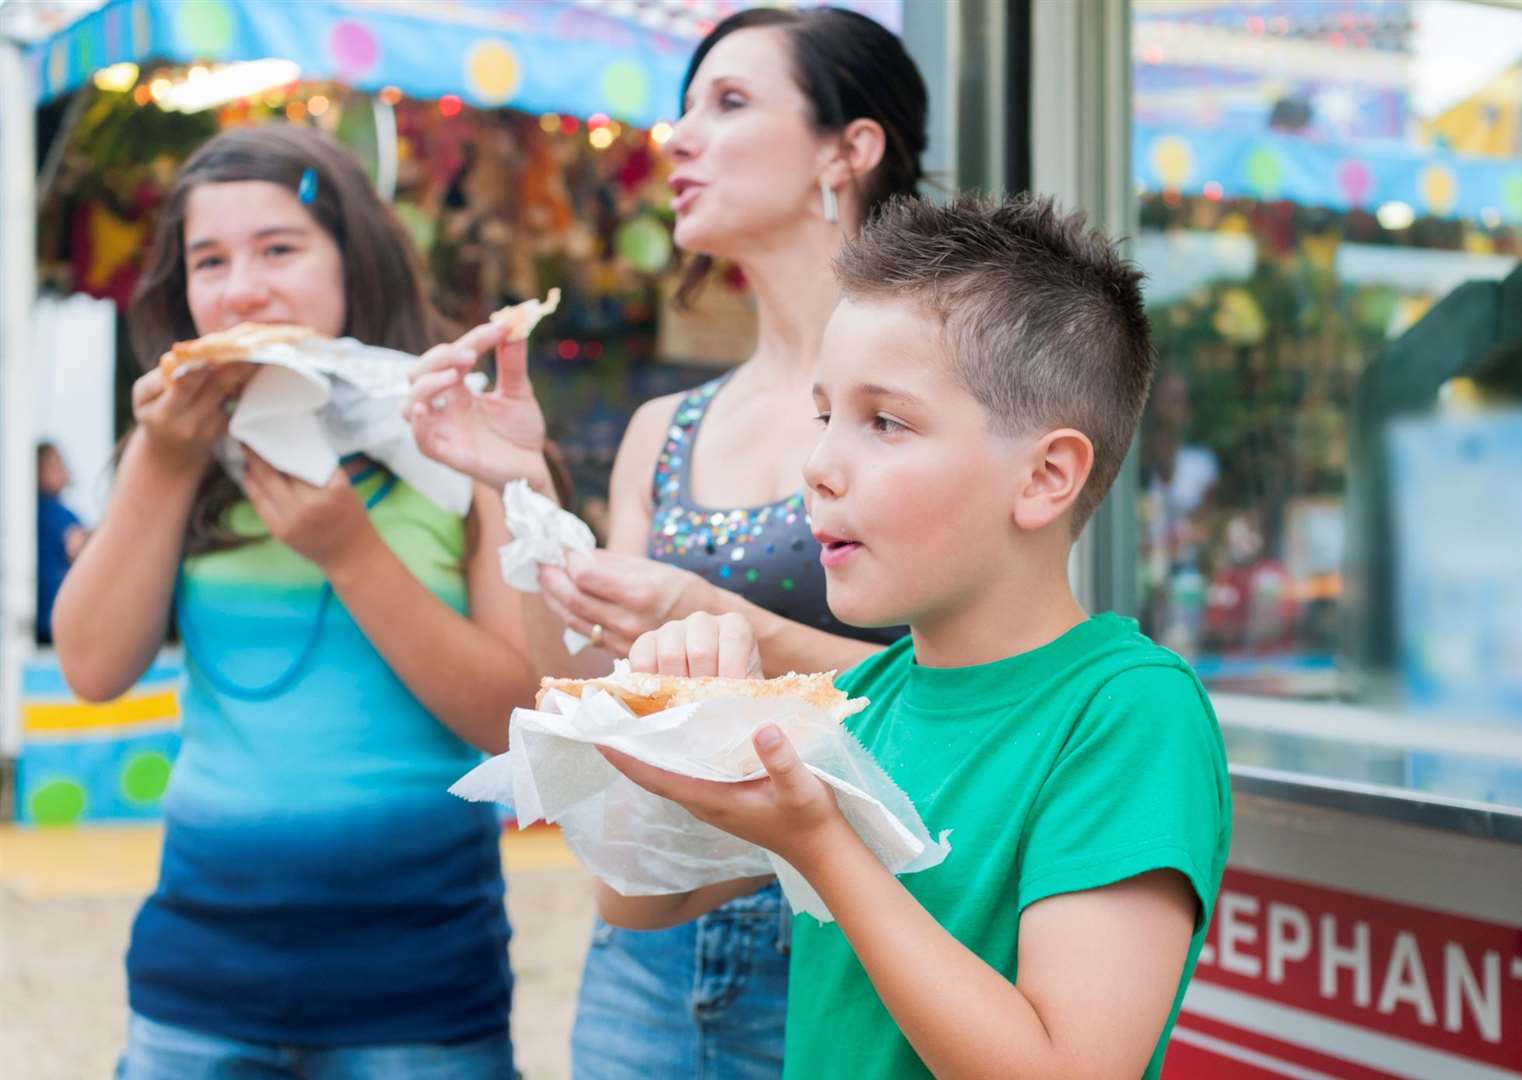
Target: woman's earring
<point>831,204</point>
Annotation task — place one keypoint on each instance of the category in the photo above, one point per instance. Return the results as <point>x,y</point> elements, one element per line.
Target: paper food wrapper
<point>542,534</point>
<point>317,400</point>
<point>641,844</point>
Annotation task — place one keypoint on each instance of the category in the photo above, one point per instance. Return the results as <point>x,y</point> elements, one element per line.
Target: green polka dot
<point>787,584</point>
<point>625,88</point>
<point>644,244</point>
<point>58,802</point>
<point>145,777</point>
<point>206,26</point>
<point>1512,195</point>
<point>84,54</point>
<point>752,575</point>
<point>1264,171</point>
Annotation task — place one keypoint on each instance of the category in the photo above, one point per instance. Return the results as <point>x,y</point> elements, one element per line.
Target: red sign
<point>1302,981</point>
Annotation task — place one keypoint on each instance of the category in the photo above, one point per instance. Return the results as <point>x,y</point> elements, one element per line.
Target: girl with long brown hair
<point>325,907</point>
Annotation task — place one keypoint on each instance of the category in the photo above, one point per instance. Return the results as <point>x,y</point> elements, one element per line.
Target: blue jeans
<point>705,1001</point>
<point>158,1051</point>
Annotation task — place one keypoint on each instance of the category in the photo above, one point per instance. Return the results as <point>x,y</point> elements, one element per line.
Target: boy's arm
<point>1098,969</point>
<point>660,912</point>
<point>1098,972</point>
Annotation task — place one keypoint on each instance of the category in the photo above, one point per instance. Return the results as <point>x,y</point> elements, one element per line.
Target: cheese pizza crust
<point>645,693</point>
<point>525,316</point>
<point>240,343</point>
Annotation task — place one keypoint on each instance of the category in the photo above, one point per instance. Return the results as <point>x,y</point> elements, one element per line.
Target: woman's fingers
<point>582,612</point>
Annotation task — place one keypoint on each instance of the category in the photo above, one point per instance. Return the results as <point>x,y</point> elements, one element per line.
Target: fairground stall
<point>1322,510</point>
<point>518,142</point>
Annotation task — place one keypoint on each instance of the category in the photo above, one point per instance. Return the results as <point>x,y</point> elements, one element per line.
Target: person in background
<point>796,127</point>
<point>60,534</point>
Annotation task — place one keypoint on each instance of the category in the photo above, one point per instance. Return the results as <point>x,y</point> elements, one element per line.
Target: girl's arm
<point>112,612</point>
<point>456,666</point>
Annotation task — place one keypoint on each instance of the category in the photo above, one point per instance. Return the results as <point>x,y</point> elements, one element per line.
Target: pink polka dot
<point>353,49</point>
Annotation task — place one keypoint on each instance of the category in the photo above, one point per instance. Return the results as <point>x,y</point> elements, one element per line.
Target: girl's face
<point>747,158</point>
<point>254,254</point>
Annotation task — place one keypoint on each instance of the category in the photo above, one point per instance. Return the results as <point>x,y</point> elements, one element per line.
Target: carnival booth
<point>518,142</point>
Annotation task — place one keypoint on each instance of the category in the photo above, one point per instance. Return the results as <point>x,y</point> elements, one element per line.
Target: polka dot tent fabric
<point>1266,165</point>
<point>83,763</point>
<point>548,56</point>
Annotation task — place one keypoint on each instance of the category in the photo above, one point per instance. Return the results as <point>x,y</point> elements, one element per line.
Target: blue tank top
<point>766,554</point>
<point>319,884</point>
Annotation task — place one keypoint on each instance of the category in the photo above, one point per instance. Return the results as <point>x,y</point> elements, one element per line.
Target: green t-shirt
<point>1090,760</point>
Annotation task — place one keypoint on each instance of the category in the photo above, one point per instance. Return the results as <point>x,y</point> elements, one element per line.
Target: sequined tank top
<point>767,554</point>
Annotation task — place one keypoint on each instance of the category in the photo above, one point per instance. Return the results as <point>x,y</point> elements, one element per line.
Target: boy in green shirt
<point>978,385</point>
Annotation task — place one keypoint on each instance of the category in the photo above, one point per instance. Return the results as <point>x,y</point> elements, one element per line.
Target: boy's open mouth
<point>835,550</point>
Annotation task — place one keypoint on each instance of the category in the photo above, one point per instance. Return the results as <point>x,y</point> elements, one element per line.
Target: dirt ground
<point>63,995</point>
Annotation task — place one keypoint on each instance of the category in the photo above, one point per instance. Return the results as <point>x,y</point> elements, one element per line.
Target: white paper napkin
<point>641,844</point>
<point>542,534</point>
<point>318,400</point>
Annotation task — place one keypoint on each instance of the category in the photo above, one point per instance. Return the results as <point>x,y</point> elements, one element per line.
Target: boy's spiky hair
<point>1043,318</point>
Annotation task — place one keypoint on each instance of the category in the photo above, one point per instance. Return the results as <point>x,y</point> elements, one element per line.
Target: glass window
<point>1330,502</point>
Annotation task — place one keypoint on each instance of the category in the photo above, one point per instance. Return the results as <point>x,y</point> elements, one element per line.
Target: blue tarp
<point>532,55</point>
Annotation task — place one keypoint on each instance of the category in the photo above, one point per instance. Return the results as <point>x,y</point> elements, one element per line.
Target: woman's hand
<point>626,595</point>
<point>322,524</point>
<point>184,417</point>
<point>494,437</point>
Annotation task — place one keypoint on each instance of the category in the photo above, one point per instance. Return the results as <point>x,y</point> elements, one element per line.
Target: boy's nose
<point>821,472</point>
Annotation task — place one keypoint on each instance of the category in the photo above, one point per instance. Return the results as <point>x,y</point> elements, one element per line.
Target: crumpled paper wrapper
<point>542,534</point>
<point>315,401</point>
<point>641,844</point>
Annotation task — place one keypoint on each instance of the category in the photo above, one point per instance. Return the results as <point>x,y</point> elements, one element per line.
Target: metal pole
<point>18,473</point>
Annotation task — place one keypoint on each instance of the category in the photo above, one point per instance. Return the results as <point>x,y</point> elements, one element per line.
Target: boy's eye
<point>279,249</point>
<point>824,419</point>
<point>886,424</point>
<point>730,100</point>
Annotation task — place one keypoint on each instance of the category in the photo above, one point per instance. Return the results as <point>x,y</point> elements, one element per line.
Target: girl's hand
<point>493,437</point>
<point>626,595</point>
<point>184,418</point>
<point>319,523</point>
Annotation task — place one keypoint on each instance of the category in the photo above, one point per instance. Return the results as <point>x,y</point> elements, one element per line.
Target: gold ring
<point>596,636</point>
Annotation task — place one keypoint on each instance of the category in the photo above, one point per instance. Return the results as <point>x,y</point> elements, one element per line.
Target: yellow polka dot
<point>1439,189</point>
<point>1173,161</point>
<point>493,72</point>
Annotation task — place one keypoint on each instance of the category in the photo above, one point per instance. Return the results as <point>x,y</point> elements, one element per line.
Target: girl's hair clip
<point>306,191</point>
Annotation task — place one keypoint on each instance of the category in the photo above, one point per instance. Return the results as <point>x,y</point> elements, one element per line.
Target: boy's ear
<point>1057,467</point>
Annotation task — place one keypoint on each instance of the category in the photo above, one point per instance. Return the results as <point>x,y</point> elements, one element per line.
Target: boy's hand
<point>790,810</point>
<point>700,644</point>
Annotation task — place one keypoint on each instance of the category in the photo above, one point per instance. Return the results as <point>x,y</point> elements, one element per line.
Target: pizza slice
<point>241,343</point>
<point>644,693</point>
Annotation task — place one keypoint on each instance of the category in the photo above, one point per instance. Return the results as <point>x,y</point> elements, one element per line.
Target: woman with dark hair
<point>795,126</point>
<point>325,907</point>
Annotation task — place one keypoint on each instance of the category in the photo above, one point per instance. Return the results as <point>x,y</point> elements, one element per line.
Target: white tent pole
<point>18,473</point>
